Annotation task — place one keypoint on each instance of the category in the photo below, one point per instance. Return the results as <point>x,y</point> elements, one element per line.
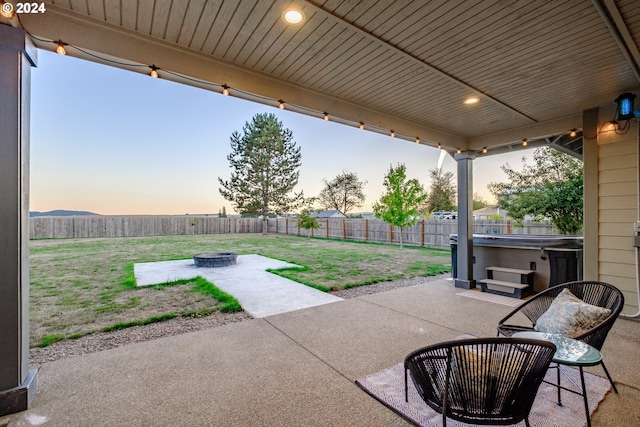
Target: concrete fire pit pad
<point>259,292</point>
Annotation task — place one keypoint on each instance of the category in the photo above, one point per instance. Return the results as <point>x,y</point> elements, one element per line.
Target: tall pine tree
<point>264,161</point>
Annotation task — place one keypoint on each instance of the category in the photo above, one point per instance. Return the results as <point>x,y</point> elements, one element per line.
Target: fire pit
<point>221,259</point>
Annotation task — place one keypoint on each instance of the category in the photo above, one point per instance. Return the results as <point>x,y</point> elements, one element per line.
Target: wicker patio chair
<point>525,317</point>
<point>486,381</point>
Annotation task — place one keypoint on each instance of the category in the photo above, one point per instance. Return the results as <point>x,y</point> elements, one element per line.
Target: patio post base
<point>19,398</point>
<point>465,284</point>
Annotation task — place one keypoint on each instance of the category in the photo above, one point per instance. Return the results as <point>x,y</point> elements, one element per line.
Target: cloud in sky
<point>116,142</point>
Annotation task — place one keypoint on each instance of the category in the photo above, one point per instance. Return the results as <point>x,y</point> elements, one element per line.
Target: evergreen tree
<point>264,162</point>
<point>342,193</point>
<point>400,205</point>
<point>442,193</point>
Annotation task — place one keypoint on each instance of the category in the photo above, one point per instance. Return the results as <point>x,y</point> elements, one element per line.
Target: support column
<point>17,383</point>
<point>465,220</point>
<point>591,222</point>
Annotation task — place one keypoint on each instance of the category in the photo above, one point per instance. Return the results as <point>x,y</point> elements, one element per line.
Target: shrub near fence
<point>425,233</point>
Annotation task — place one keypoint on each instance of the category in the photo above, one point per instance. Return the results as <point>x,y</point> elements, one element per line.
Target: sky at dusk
<point>116,142</point>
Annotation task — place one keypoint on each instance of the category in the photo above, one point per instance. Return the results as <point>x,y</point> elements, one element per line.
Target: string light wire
<point>223,88</point>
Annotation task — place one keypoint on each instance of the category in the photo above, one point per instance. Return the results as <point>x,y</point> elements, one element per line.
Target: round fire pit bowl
<point>221,259</point>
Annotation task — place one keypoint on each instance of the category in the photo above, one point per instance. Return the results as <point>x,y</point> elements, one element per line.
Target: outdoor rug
<point>387,386</point>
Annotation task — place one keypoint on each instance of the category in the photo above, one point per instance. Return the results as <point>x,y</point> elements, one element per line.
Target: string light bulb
<point>393,134</point>
<point>154,71</point>
<point>573,133</point>
<point>525,142</point>
<point>60,50</point>
<point>439,146</point>
<point>417,140</point>
<point>484,150</point>
<point>458,151</point>
<point>361,125</point>
<point>281,104</point>
<point>225,90</point>
<point>326,116</point>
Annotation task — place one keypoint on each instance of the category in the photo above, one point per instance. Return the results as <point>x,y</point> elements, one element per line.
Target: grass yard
<point>80,286</point>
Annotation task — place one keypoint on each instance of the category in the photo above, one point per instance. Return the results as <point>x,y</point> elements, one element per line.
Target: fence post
<point>366,230</point>
<point>390,233</point>
<point>508,227</point>
<point>344,230</point>
<point>422,234</point>
<point>286,226</point>
<point>327,228</point>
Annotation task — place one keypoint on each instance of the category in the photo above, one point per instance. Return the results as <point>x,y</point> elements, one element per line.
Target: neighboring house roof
<point>488,211</point>
<point>333,213</point>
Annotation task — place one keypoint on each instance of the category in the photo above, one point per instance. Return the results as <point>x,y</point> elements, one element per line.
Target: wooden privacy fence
<point>424,233</point>
<point>137,226</point>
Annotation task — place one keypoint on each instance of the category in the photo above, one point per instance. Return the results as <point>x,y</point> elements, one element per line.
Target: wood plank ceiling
<point>529,62</point>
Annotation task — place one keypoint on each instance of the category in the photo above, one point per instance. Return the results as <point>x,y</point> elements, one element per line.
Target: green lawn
<point>81,286</point>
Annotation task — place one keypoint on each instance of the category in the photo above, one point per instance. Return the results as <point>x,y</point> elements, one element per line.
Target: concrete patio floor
<point>290,369</point>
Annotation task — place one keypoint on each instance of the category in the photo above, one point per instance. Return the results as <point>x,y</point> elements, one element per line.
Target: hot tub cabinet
<point>517,265</point>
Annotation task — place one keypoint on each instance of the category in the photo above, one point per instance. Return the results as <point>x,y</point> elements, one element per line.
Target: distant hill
<point>61,212</point>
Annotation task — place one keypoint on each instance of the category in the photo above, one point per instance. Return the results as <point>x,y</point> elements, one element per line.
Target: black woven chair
<point>601,294</point>
<point>486,381</point>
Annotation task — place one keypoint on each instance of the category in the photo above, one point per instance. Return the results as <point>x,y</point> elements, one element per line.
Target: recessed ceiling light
<point>293,16</point>
<point>471,100</point>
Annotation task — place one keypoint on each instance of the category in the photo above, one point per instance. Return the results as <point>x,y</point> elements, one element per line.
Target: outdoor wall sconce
<point>624,110</point>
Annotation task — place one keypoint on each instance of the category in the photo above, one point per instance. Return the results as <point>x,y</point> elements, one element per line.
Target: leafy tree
<point>400,205</point>
<point>551,187</point>
<point>307,222</point>
<point>442,193</point>
<point>222,213</point>
<point>343,193</point>
<point>264,160</point>
<point>478,202</point>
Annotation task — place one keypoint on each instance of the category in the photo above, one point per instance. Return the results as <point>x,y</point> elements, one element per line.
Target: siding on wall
<point>617,212</point>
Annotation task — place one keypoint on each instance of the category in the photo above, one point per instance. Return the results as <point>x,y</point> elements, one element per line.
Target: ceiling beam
<point>540,130</point>
<point>618,28</point>
<point>563,149</point>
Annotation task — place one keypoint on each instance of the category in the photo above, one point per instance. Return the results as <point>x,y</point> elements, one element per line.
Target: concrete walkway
<point>259,292</point>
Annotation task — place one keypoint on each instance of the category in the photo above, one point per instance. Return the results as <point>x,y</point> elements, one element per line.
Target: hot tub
<point>554,259</point>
